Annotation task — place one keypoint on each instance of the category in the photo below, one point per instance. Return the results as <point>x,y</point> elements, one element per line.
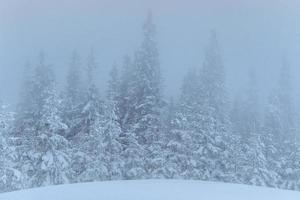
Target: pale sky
<point>255,33</point>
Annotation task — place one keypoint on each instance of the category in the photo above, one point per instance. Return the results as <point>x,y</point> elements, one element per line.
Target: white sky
<point>253,33</point>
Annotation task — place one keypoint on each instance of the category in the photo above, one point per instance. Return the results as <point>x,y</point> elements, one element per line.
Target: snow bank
<point>152,190</point>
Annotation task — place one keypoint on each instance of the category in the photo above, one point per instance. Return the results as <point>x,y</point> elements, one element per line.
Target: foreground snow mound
<point>152,190</point>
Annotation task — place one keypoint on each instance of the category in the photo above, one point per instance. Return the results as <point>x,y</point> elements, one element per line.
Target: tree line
<point>76,135</point>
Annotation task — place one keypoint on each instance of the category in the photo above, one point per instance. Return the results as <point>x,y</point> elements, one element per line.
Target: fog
<point>198,89</point>
<point>253,34</point>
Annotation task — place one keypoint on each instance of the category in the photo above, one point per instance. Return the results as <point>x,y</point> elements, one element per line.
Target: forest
<point>135,132</point>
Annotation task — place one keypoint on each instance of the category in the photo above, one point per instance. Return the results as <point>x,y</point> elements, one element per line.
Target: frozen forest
<point>132,130</point>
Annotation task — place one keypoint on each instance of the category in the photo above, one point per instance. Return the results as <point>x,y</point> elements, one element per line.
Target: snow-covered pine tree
<point>139,105</point>
<point>126,96</point>
<point>168,118</point>
<point>148,99</point>
<point>10,176</point>
<point>73,97</point>
<point>214,147</point>
<point>132,151</point>
<point>251,165</point>
<point>23,125</point>
<point>189,127</point>
<point>283,154</point>
<point>272,142</point>
<point>93,106</point>
<point>87,158</point>
<point>88,155</point>
<point>181,137</point>
<point>43,151</point>
<point>112,147</point>
<point>132,155</point>
<point>50,145</point>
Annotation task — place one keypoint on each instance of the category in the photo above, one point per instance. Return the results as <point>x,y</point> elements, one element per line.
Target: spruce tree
<point>214,124</point>
<point>250,150</point>
<point>148,98</point>
<point>188,128</point>
<point>132,151</point>
<point>180,138</point>
<point>283,154</point>
<point>10,176</point>
<point>87,162</point>
<point>74,97</point>
<point>112,146</point>
<point>126,97</point>
<point>42,150</point>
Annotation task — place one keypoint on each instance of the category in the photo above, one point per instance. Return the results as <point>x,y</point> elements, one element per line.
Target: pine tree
<point>213,80</point>
<point>250,149</point>
<point>74,97</point>
<point>147,88</point>
<point>140,103</point>
<point>87,162</point>
<point>92,108</point>
<point>283,153</point>
<point>272,141</point>
<point>132,154</point>
<point>214,124</point>
<point>148,98</point>
<point>88,156</point>
<point>188,128</point>
<point>112,130</point>
<point>10,176</point>
<point>126,97</point>
<point>177,150</point>
<point>43,156</point>
<point>132,151</point>
<point>23,125</point>
<point>51,153</point>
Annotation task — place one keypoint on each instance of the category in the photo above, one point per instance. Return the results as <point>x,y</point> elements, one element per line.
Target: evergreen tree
<point>140,103</point>
<point>42,150</point>
<point>74,97</point>
<point>250,151</point>
<point>178,151</point>
<point>87,144</point>
<point>132,154</point>
<point>214,123</point>
<point>92,105</point>
<point>188,128</point>
<point>10,176</point>
<point>112,130</point>
<point>147,88</point>
<point>213,80</point>
<point>50,151</point>
<point>126,97</point>
<point>148,98</point>
<point>283,154</point>
<point>132,151</point>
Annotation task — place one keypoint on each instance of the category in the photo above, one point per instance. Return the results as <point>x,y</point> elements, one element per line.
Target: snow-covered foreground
<point>152,190</point>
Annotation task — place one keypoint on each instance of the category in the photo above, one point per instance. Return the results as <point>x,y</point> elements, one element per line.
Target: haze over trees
<point>134,132</point>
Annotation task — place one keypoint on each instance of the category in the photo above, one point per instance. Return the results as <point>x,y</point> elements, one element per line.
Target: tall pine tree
<point>43,151</point>
<point>74,97</point>
<point>282,152</point>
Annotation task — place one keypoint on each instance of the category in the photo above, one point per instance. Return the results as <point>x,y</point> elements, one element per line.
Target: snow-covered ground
<point>152,190</point>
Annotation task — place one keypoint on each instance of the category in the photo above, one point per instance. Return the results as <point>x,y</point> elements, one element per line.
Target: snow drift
<point>152,190</point>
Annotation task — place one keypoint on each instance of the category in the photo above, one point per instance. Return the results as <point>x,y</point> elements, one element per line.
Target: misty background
<point>212,129</point>
<point>252,34</point>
